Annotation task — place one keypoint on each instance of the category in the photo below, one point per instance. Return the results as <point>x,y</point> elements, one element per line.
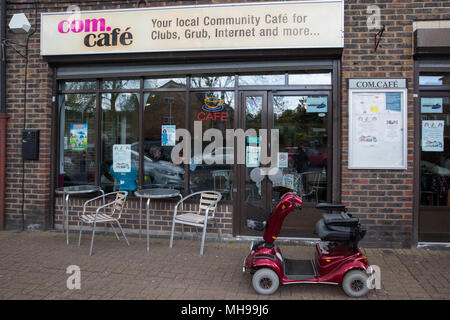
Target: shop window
<point>310,78</point>
<point>168,83</point>
<point>212,81</point>
<point>164,112</point>
<point>212,169</point>
<point>262,79</point>
<point>77,139</point>
<point>119,129</point>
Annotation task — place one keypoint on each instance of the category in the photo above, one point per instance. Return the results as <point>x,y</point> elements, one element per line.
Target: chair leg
<point>115,232</point>
<point>123,233</point>
<point>203,240</point>
<point>92,240</point>
<point>171,235</point>
<point>182,231</point>
<point>81,230</point>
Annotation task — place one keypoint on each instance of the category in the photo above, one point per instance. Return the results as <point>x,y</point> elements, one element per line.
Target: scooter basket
<point>257,217</point>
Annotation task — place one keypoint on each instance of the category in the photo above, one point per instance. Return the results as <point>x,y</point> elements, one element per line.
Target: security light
<point>19,23</point>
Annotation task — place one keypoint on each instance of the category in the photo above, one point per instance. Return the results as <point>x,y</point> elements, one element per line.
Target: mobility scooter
<point>337,258</point>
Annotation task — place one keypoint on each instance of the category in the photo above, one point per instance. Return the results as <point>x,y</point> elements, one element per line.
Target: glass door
<point>434,210</point>
<point>300,153</point>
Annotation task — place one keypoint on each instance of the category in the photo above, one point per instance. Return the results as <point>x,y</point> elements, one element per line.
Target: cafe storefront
<point>142,105</point>
<point>119,90</point>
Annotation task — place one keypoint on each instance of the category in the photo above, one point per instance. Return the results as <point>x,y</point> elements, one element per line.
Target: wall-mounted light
<point>19,23</point>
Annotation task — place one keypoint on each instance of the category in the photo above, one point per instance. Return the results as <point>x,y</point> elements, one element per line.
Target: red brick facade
<point>383,199</point>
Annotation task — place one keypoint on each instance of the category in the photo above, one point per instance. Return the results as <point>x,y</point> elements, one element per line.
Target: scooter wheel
<point>265,281</point>
<point>355,283</point>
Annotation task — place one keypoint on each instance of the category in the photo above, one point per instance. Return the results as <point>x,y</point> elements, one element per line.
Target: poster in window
<point>78,137</point>
<point>252,156</point>
<point>168,135</point>
<point>316,104</point>
<point>283,158</point>
<point>122,158</point>
<point>431,105</point>
<point>433,135</point>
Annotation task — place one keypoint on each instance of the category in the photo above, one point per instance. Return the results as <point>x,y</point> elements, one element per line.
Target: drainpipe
<point>3,115</point>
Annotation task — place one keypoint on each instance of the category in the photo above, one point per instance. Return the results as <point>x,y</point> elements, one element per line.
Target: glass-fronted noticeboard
<point>378,127</point>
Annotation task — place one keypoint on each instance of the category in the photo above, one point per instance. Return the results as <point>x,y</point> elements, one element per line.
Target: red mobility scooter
<point>337,258</point>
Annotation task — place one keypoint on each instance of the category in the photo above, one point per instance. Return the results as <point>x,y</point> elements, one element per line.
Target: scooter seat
<point>335,233</point>
<point>331,207</point>
<point>339,220</point>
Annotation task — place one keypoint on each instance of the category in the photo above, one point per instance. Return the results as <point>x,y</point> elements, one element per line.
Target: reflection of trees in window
<point>292,111</point>
<point>78,85</point>
<point>121,84</point>
<point>84,103</point>
<point>253,112</point>
<point>212,82</point>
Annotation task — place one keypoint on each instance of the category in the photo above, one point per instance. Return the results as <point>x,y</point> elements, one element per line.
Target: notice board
<point>377,124</point>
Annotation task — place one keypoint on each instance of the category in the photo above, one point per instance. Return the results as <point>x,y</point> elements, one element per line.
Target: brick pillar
<point>3,120</point>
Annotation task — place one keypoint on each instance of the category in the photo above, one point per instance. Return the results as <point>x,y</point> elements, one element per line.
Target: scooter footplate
<point>298,269</point>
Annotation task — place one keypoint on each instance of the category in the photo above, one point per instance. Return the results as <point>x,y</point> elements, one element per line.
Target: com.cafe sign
<point>235,26</point>
<point>213,110</point>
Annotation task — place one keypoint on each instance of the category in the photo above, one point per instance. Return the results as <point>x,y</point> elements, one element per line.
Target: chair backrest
<point>119,203</point>
<point>207,199</point>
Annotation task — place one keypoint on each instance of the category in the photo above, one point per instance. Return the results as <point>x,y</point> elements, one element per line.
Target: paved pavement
<point>33,265</point>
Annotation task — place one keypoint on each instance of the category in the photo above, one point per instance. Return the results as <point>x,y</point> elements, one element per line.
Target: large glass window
<point>77,139</point>
<point>164,112</point>
<point>91,138</point>
<point>120,127</point>
<point>212,113</point>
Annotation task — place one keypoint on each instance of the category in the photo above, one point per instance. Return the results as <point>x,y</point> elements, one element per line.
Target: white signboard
<point>292,24</point>
<point>377,129</point>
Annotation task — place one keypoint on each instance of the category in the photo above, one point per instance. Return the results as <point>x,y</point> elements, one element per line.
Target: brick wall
<point>383,199</point>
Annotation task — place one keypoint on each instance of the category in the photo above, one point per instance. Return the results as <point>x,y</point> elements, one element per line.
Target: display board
<point>378,125</point>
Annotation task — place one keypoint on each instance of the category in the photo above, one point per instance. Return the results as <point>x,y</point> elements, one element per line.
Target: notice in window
<point>78,137</point>
<point>168,136</point>
<point>433,135</point>
<point>283,158</point>
<point>252,156</point>
<point>431,105</point>
<point>122,158</point>
<point>316,104</point>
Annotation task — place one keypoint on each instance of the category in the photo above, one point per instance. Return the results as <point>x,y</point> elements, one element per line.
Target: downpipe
<point>3,116</point>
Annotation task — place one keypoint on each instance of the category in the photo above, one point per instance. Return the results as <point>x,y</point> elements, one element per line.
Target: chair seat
<point>191,217</point>
<point>89,218</point>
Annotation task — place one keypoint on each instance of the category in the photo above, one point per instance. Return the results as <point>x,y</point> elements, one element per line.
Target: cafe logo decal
<point>213,110</point>
<point>97,34</point>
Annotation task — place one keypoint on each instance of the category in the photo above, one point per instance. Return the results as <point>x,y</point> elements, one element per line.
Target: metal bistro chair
<point>111,212</point>
<point>206,213</point>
